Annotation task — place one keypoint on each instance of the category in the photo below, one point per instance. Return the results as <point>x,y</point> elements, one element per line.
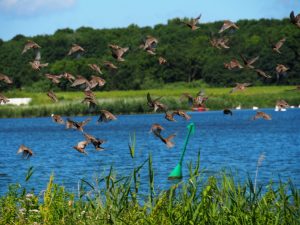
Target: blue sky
<point>32,17</point>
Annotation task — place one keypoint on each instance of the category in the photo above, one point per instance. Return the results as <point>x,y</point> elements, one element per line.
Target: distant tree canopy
<point>189,54</point>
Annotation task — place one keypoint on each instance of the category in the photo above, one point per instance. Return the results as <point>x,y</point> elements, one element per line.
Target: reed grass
<point>127,102</point>
<point>117,200</point>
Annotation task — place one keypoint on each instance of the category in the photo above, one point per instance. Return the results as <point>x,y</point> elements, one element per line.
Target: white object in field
<point>18,101</point>
<point>239,107</point>
<point>254,107</point>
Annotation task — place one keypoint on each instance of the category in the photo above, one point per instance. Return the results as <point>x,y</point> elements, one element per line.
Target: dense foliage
<point>189,54</point>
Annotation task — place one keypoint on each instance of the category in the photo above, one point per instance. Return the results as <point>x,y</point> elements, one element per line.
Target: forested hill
<point>189,54</point>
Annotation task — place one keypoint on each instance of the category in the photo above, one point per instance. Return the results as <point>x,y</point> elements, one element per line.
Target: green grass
<point>125,102</point>
<point>116,200</point>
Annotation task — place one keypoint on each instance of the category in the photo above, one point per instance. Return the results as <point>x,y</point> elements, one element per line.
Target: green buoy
<point>177,171</point>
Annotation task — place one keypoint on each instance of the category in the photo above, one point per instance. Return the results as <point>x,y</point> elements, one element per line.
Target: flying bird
<point>156,129</point>
<point>239,87</point>
<point>30,45</point>
<point>193,23</point>
<point>219,43</point>
<point>27,152</point>
<point>168,140</point>
<point>69,77</point>
<point>89,93</point>
<point>190,98</point>
<point>280,68</point>
<point>76,125</point>
<point>5,79</point>
<point>228,24</point>
<point>55,79</point>
<point>96,81</point>
<point>95,67</point>
<point>262,115</point>
<point>162,61</point>
<point>80,147</point>
<point>80,80</point>
<point>95,141</point>
<point>150,45</point>
<point>281,71</point>
<point>155,104</point>
<point>36,64</point>
<point>182,114</point>
<point>75,48</point>
<point>248,63</point>
<point>3,99</point>
<point>52,96</point>
<point>262,73</point>
<point>170,117</point>
<point>118,52</point>
<point>278,45</point>
<point>227,112</point>
<point>106,116</point>
<point>234,63</point>
<point>57,119</point>
<point>282,104</point>
<point>295,19</point>
<point>110,65</point>
<point>90,100</point>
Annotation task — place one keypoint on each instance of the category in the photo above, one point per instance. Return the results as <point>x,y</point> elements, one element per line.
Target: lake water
<point>231,142</point>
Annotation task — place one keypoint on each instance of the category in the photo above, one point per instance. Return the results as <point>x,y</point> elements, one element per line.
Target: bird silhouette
<point>26,152</point>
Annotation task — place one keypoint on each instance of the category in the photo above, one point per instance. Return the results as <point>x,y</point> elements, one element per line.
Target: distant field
<point>135,101</point>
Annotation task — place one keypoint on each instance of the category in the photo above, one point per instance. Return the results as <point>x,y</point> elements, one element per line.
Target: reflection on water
<point>232,142</point>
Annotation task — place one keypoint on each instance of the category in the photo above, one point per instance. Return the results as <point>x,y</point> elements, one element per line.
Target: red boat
<point>200,109</point>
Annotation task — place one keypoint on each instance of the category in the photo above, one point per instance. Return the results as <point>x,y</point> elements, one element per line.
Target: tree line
<point>189,55</point>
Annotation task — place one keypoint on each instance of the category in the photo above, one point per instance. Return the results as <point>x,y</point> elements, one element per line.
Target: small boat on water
<point>277,108</point>
<point>254,107</point>
<point>200,109</point>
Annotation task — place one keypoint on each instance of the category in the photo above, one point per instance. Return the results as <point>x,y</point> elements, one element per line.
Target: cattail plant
<point>259,162</point>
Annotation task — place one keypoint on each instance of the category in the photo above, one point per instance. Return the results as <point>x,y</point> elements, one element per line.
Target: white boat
<point>18,101</point>
<point>254,107</point>
<point>277,109</point>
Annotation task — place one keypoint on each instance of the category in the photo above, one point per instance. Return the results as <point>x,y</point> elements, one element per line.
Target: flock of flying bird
<point>149,45</point>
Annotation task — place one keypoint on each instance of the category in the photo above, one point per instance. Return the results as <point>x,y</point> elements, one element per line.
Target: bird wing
<point>225,26</point>
<point>197,18</point>
<point>83,123</point>
<point>253,60</point>
<point>280,43</point>
<point>244,59</point>
<point>168,140</point>
<point>82,144</point>
<point>7,79</point>
<point>292,16</point>
<point>79,81</point>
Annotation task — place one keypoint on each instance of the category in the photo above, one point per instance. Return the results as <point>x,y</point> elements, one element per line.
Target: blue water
<point>231,142</point>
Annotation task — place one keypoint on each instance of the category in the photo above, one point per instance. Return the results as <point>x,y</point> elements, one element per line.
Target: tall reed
<point>111,199</point>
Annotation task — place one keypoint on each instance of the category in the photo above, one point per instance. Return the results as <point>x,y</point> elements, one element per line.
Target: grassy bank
<point>125,102</point>
<point>116,200</point>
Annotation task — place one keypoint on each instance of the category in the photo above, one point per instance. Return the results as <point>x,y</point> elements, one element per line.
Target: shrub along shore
<point>129,102</point>
<point>111,199</point>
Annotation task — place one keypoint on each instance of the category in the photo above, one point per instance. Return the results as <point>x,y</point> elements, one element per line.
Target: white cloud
<point>27,7</point>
